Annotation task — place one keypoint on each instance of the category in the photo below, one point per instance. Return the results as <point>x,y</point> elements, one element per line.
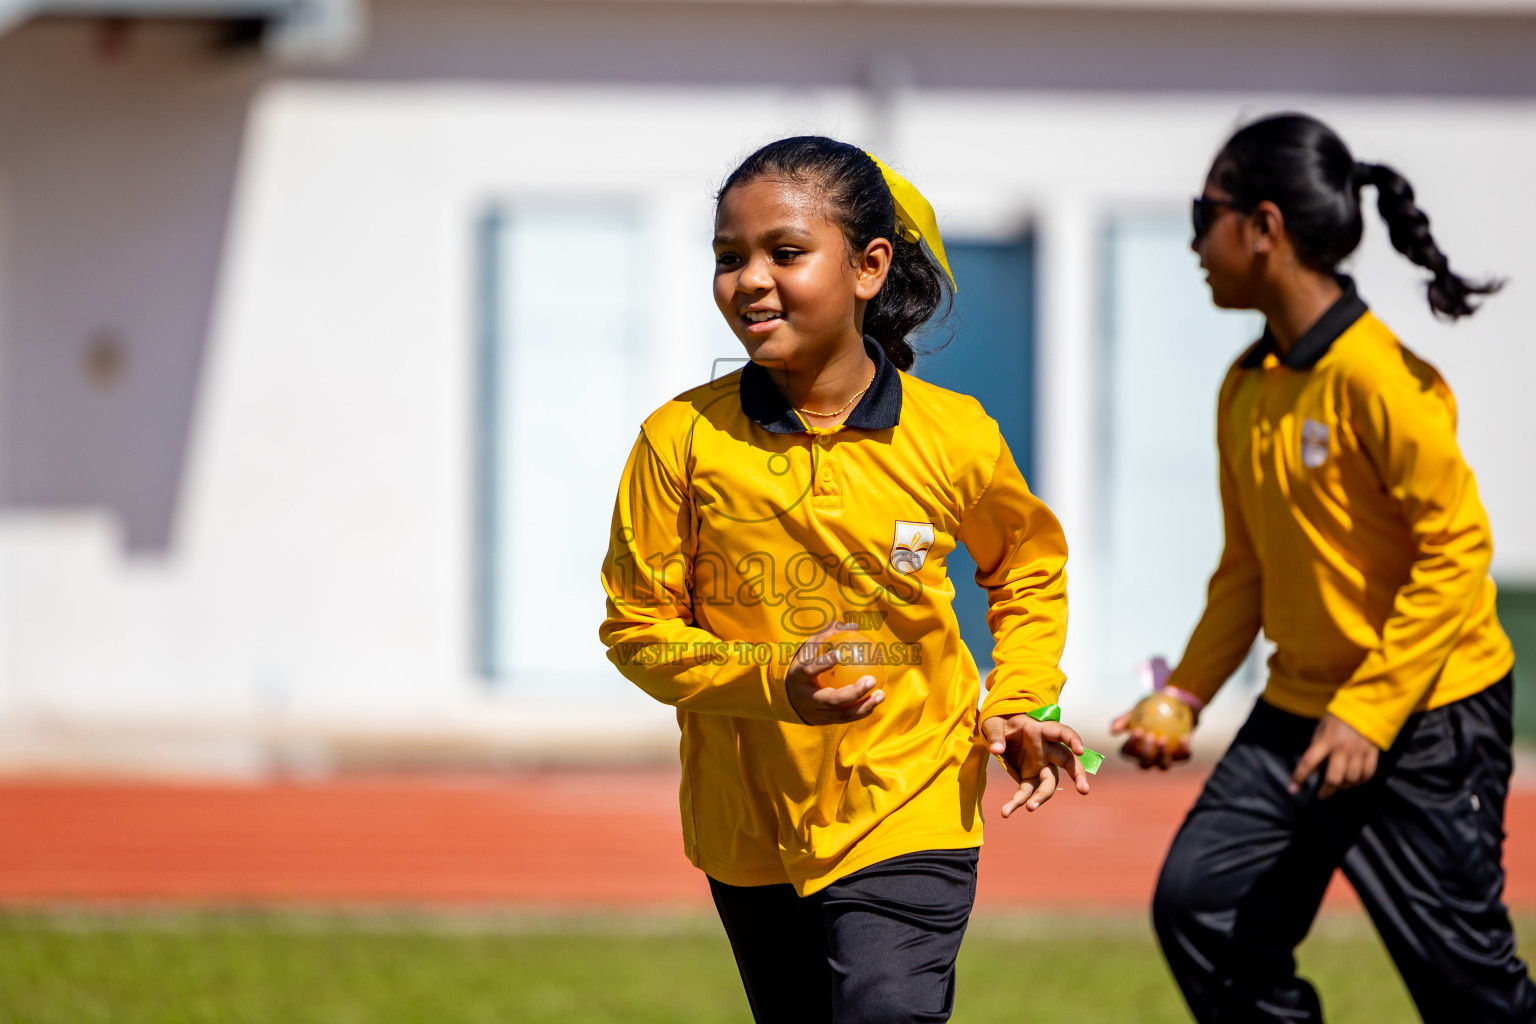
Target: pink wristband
<point>1195,703</point>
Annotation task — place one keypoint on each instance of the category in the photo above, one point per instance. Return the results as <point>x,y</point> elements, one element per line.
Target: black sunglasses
<point>1203,211</point>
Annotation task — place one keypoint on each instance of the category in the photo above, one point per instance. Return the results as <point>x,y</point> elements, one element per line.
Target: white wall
<point>312,572</point>
<point>118,173</point>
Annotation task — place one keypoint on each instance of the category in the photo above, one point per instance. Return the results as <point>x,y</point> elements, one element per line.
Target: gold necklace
<point>839,412</point>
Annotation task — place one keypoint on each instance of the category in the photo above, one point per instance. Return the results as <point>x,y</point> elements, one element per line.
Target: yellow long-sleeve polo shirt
<point>738,533</point>
<point>1354,533</point>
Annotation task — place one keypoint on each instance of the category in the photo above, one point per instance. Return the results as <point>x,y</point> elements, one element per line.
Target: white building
<point>304,459</point>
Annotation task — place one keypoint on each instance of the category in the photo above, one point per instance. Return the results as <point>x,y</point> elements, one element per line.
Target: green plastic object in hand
<point>1091,759</point>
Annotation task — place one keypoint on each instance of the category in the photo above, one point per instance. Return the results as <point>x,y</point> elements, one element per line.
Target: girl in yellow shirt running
<point>1356,540</point>
<point>816,487</point>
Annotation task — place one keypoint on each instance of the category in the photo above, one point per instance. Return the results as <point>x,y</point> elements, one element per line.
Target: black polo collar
<point>879,409</point>
<point>1314,344</point>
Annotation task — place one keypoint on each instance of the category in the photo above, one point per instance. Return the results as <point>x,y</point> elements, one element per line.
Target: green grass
<point>1112,971</point>
<point>297,969</point>
<point>1517,614</point>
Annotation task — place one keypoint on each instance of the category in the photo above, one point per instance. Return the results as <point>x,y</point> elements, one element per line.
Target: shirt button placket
<point>826,485</point>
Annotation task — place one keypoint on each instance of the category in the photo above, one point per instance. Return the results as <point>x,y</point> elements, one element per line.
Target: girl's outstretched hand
<point>1150,749</point>
<point>1035,753</point>
<point>819,705</point>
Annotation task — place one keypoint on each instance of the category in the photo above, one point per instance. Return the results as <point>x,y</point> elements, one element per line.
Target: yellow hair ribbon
<point>914,216</point>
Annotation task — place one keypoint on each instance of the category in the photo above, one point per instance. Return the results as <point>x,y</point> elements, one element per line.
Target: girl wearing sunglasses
<point>1356,540</point>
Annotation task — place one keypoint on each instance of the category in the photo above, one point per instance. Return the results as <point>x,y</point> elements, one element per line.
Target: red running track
<point>538,840</point>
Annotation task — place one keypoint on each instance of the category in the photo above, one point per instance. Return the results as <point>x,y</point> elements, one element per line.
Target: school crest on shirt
<point>1314,443</point>
<point>909,547</point>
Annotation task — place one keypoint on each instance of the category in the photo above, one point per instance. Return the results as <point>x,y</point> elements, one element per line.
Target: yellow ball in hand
<point>861,656</point>
<point>1163,714</point>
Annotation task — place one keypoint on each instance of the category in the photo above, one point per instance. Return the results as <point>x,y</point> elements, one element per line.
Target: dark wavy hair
<point>859,202</point>
<point>1303,167</point>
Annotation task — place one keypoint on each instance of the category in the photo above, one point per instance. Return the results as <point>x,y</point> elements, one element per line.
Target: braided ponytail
<point>1449,293</point>
<point>1303,167</point>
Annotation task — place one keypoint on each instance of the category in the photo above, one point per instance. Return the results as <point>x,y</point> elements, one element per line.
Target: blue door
<point>991,357</point>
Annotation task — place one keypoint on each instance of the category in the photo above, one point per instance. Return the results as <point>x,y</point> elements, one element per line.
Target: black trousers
<point>876,947</point>
<point>1422,844</point>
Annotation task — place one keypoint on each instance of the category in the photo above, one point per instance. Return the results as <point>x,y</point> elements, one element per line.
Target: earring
<point>1258,247</point>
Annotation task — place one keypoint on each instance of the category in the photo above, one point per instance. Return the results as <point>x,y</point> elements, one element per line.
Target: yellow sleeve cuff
<point>774,678</point>
<point>1021,705</point>
<point>1367,721</point>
